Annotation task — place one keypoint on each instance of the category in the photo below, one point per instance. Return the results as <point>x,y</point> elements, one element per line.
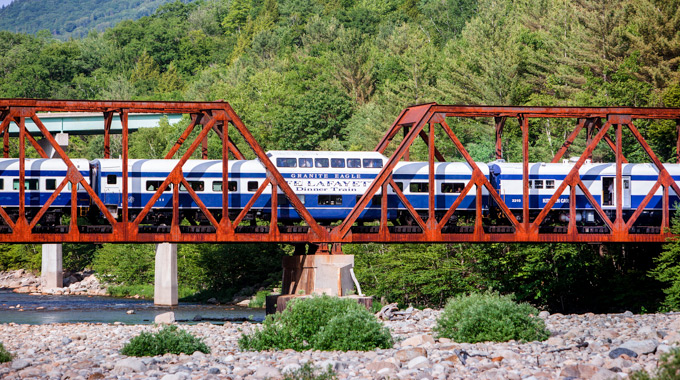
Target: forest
<point>334,75</point>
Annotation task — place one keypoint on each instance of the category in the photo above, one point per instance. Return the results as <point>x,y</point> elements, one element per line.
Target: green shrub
<point>669,368</point>
<point>321,323</point>
<point>489,317</point>
<point>167,340</point>
<point>354,330</point>
<point>5,356</point>
<point>309,372</point>
<point>260,299</point>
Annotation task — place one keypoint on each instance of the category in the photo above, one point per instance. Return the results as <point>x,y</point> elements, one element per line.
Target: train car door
<point>609,192</point>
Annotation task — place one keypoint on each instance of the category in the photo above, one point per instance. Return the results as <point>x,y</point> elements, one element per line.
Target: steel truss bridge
<point>416,122</point>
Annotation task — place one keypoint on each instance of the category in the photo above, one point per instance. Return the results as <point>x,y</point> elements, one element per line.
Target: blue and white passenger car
<point>598,178</point>
<point>42,177</point>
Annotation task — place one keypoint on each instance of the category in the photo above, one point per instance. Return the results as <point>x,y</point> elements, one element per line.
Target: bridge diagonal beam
<point>408,205</point>
<point>481,179</point>
<point>200,203</point>
<point>572,177</point>
<point>595,205</point>
<point>176,175</point>
<point>317,233</point>
<point>48,203</point>
<point>420,116</point>
<point>251,202</point>
<point>195,120</point>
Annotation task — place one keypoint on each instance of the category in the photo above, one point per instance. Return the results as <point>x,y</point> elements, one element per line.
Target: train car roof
<point>324,154</point>
<point>587,168</point>
<point>43,164</point>
<point>157,165</point>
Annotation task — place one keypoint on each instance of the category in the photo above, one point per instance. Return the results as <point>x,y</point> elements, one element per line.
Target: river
<point>32,309</point>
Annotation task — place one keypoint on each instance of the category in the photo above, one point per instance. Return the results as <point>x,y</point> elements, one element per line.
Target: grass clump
<point>5,356</point>
<point>490,317</point>
<point>319,323</point>
<point>168,340</point>
<point>309,372</point>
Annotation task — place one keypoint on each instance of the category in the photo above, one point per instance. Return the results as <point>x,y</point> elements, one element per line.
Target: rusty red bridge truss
<point>417,122</point>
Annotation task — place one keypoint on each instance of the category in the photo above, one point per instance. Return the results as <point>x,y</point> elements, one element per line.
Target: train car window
<point>321,162</point>
<point>419,187</point>
<point>217,186</point>
<point>253,185</point>
<point>29,184</point>
<point>375,201</point>
<point>50,184</point>
<point>452,187</point>
<point>111,179</point>
<point>154,185</point>
<point>2,183</point>
<point>626,184</point>
<point>538,184</point>
<point>282,200</point>
<point>80,187</point>
<point>400,185</point>
<point>531,184</point>
<point>195,186</point>
<point>372,163</point>
<point>549,183</point>
<point>353,162</point>
<point>337,162</point>
<point>286,162</point>
<point>305,162</point>
<point>330,200</point>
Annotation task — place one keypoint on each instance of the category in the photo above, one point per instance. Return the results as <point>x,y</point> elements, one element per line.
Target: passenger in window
<point>305,162</point>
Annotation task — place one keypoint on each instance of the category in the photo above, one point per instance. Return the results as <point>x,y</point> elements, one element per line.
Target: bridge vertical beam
<point>165,276</point>
<point>524,124</point>
<point>124,123</point>
<point>500,124</point>
<point>677,143</point>
<point>51,274</point>
<point>619,178</point>
<point>108,119</point>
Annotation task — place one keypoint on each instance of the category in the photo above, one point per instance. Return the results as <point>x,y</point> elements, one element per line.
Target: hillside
<point>72,18</point>
<point>334,75</point>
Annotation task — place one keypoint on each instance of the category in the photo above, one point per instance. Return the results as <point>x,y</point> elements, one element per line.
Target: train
<point>329,184</point>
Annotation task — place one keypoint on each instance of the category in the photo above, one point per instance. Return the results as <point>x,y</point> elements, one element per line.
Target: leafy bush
<point>489,317</point>
<point>5,356</point>
<point>309,372</point>
<point>167,340</point>
<point>321,323</point>
<point>260,299</point>
<point>667,269</point>
<point>669,368</point>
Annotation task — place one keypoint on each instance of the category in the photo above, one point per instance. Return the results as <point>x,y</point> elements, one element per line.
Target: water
<point>72,309</point>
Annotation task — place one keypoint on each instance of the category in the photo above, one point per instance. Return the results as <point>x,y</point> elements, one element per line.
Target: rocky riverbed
<point>76,283</point>
<point>589,346</point>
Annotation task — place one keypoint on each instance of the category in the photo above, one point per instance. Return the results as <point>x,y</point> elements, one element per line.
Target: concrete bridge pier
<point>312,273</point>
<point>51,275</point>
<point>165,276</point>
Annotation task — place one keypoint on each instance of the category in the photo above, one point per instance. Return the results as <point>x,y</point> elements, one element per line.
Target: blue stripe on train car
<point>38,199</point>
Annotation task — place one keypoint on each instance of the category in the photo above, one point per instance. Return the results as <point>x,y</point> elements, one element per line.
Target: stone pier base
<point>305,275</point>
<point>165,287</point>
<point>52,275</point>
